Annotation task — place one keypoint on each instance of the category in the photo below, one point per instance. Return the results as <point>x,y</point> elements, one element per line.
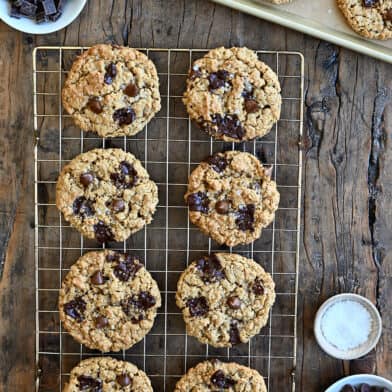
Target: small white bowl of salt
<point>347,326</point>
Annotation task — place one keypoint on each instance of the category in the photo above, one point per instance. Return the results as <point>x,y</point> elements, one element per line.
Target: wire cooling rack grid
<point>170,148</point>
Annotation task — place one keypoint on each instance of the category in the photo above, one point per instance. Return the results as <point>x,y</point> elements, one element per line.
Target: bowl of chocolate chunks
<point>40,16</point>
<point>361,383</point>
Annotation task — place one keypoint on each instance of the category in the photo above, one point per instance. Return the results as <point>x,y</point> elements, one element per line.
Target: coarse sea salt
<point>346,325</point>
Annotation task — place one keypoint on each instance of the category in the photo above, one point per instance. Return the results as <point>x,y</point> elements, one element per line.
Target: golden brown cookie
<point>370,18</point>
<point>231,197</point>
<point>225,299</point>
<point>106,194</point>
<point>219,376</point>
<point>107,374</point>
<point>232,95</point>
<point>108,301</point>
<point>112,90</point>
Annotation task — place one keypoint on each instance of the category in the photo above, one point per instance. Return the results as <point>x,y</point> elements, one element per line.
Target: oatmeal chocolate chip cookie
<point>106,194</point>
<point>231,197</point>
<point>370,18</point>
<point>112,90</point>
<point>108,300</point>
<point>106,374</point>
<point>218,376</point>
<point>225,299</point>
<point>232,95</point>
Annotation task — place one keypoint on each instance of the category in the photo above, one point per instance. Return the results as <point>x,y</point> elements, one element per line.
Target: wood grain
<point>347,240</point>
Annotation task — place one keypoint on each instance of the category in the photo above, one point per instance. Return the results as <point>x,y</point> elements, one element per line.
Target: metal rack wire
<point>170,147</point>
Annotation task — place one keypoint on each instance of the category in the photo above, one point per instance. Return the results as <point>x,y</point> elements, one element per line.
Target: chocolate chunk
<point>195,72</point>
<point>111,72</point>
<point>55,16</point>
<point>258,287</point>
<point>198,202</point>
<point>197,306</point>
<point>364,388</point>
<point>95,105</point>
<point>112,256</point>
<point>90,384</point>
<point>75,309</point>
<point>28,9</point>
<point>124,380</point>
<point>218,79</point>
<point>218,162</point>
<point>126,269</point>
<point>219,380</point>
<point>211,269</point>
<point>370,3</point>
<point>245,217</point>
<point>234,302</point>
<point>103,233</point>
<point>131,90</point>
<point>228,125</point>
<point>49,7</point>
<point>388,15</point>
<point>141,302</point>
<point>222,207</point>
<point>15,13</point>
<point>118,205</point>
<point>234,334</point>
<point>251,106</point>
<point>126,178</point>
<point>83,207</point>
<point>101,322</point>
<point>97,278</point>
<point>124,116</point>
<point>145,301</point>
<point>86,179</point>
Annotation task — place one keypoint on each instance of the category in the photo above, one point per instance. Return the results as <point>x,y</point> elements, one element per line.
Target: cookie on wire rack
<point>232,95</point>
<point>106,194</point>
<point>225,299</point>
<point>108,301</point>
<point>107,374</point>
<point>215,375</point>
<point>112,90</point>
<point>369,18</point>
<point>231,197</point>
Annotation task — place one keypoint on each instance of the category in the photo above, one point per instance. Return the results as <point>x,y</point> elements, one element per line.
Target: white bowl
<point>360,379</point>
<point>359,351</point>
<point>72,9</point>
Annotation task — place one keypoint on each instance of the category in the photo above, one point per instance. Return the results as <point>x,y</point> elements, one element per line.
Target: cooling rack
<point>170,147</point>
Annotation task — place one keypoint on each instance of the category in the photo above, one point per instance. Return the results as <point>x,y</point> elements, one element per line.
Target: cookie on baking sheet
<point>106,194</point>
<point>232,95</point>
<point>214,375</point>
<point>225,299</point>
<point>370,18</point>
<point>231,197</point>
<point>106,374</point>
<point>112,90</point>
<point>108,301</point>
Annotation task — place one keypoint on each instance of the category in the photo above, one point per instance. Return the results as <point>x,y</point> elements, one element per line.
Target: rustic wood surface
<point>347,240</point>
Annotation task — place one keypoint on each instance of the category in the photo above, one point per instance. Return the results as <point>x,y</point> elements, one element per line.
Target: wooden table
<point>347,240</point>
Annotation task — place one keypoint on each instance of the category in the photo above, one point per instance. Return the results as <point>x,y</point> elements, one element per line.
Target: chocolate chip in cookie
<point>211,269</point>
<point>90,384</point>
<point>103,233</point>
<point>124,116</point>
<point>198,202</point>
<point>218,162</point>
<point>198,306</point>
<point>220,380</point>
<point>76,309</point>
<point>245,217</point>
<point>111,72</point>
